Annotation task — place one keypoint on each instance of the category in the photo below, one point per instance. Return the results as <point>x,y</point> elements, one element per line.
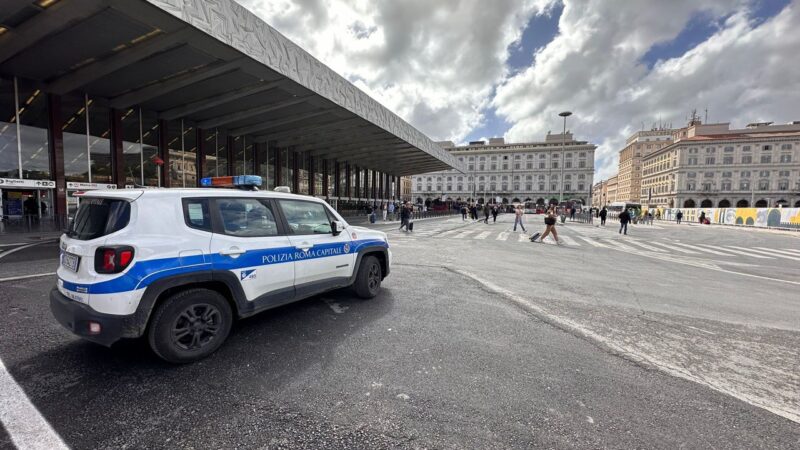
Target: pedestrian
<point>463,212</point>
<point>405,216</point>
<point>624,218</point>
<point>650,218</point>
<point>550,226</point>
<point>702,218</point>
<point>603,214</point>
<point>679,216</point>
<point>391,209</point>
<point>486,211</point>
<point>475,211</point>
<point>494,214</point>
<point>385,209</point>
<point>572,214</point>
<point>518,214</point>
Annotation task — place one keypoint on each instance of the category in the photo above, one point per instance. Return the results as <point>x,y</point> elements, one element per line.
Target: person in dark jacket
<point>679,216</point>
<point>494,214</point>
<point>405,215</point>
<point>624,218</point>
<point>486,211</point>
<point>603,214</point>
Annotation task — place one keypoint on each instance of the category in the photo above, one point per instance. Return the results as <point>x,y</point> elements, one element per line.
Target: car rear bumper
<point>77,317</point>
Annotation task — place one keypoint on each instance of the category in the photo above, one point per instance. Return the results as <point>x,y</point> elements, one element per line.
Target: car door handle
<point>304,246</point>
<point>233,251</point>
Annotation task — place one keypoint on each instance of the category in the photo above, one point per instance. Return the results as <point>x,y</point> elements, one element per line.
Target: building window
<point>763,173</point>
<point>710,160</point>
<point>747,159</point>
<point>517,166</point>
<point>727,160</point>
<point>555,164</point>
<point>567,186</point>
<point>529,165</point>
<point>690,185</point>
<point>481,167</point>
<point>494,166</point>
<point>783,185</point>
<point>786,158</point>
<point>581,186</point>
<point>692,161</point>
<point>728,150</point>
<point>691,174</point>
<point>542,165</point>
<point>763,185</point>
<point>568,164</point>
<point>786,146</point>
<point>784,174</point>
<point>766,159</point>
<point>541,186</point>
<point>709,175</point>
<point>727,174</point>
<point>766,148</point>
<point>726,185</point>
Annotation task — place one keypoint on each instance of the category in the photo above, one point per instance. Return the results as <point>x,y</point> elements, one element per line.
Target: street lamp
<point>564,114</point>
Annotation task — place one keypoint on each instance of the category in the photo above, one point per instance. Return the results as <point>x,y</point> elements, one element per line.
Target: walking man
<point>494,214</point>
<point>679,216</point>
<point>464,212</point>
<point>624,218</point>
<point>486,211</point>
<point>572,214</point>
<point>385,209</point>
<point>603,214</point>
<point>405,215</point>
<point>518,213</point>
<point>391,209</point>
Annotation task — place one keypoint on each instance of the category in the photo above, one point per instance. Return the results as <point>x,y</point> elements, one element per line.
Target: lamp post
<point>564,114</point>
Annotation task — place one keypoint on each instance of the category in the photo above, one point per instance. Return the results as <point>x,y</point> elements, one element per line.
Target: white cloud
<point>744,72</point>
<point>433,63</point>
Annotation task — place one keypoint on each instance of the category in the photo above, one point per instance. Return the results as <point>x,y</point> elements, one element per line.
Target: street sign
<point>14,182</point>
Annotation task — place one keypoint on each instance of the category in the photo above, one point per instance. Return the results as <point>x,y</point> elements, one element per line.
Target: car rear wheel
<point>190,325</point>
<point>368,280</point>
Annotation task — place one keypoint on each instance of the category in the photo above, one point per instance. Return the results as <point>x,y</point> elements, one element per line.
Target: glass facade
<point>33,120</point>
<point>9,150</point>
<point>86,126</point>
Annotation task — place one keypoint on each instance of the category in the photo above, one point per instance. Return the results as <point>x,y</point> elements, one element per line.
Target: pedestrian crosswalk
<point>598,238</point>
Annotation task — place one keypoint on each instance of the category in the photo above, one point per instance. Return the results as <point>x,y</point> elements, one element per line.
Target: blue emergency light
<point>232,181</point>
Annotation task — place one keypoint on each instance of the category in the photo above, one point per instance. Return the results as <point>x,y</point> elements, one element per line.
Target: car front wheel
<point>368,280</point>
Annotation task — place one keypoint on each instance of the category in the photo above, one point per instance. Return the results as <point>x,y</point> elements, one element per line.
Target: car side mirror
<point>336,227</point>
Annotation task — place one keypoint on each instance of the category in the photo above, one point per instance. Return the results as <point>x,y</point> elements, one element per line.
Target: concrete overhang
<point>213,63</point>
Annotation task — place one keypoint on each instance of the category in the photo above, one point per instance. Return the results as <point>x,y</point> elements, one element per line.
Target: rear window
<point>97,217</point>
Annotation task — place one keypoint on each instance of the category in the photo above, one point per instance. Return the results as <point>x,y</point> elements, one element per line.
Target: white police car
<point>180,265</point>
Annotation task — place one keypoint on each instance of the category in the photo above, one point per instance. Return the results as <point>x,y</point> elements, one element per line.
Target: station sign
<point>17,183</point>
<point>133,186</point>
<point>89,186</point>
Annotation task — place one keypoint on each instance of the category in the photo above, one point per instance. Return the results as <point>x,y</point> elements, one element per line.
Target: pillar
<point>163,152</point>
<point>56,144</point>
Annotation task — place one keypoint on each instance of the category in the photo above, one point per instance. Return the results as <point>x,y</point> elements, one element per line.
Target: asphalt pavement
<point>480,339</point>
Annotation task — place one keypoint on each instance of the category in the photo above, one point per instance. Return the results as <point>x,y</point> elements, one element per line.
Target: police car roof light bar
<point>239,181</point>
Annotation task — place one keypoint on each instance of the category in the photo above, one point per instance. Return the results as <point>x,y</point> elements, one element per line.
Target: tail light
<point>112,259</point>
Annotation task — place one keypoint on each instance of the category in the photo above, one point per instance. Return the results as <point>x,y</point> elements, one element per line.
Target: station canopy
<point>214,63</point>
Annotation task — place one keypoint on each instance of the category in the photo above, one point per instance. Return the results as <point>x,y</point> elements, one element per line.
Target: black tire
<point>190,325</point>
<point>368,280</point>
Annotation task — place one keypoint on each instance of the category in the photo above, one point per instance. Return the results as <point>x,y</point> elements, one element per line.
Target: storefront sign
<point>133,186</point>
<point>17,183</point>
<point>89,186</point>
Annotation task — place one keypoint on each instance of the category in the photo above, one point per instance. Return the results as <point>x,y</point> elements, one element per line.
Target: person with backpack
<point>405,216</point>
<point>624,218</point>
<point>603,214</point>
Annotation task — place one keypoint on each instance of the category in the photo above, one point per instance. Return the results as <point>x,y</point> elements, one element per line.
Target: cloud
<point>433,63</point>
<point>594,67</point>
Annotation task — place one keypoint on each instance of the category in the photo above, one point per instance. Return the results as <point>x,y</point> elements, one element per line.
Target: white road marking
<point>21,420</point>
<point>569,241</point>
<point>23,277</point>
<point>796,252</point>
<point>592,241</point>
<point>739,252</point>
<point>463,234</point>
<point>447,233</point>
<point>13,250</point>
<point>502,236</point>
<point>767,252</point>
<point>713,251</point>
<point>645,246</point>
<point>613,243</point>
<point>781,251</point>
<point>482,235</point>
<point>634,352</point>
<point>677,249</point>
<point>13,244</point>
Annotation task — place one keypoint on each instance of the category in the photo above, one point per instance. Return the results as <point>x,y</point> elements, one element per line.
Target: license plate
<point>71,261</point>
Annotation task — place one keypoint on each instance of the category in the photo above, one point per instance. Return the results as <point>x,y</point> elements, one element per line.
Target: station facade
<point>114,95</point>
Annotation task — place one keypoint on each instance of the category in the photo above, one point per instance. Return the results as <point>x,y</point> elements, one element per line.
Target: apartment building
<point>711,165</point>
<point>513,172</point>
<point>638,145</point>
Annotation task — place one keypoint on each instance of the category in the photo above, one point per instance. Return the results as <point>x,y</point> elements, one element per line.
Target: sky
<point>463,70</point>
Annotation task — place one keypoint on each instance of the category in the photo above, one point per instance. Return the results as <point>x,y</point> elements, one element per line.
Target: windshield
<point>98,217</point>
